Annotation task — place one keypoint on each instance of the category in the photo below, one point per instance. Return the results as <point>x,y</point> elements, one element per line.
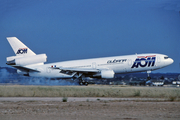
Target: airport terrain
<point>88,110</point>
<point>97,102</point>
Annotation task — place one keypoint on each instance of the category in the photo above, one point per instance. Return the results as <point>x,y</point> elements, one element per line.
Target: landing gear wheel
<point>148,78</point>
<point>86,83</point>
<point>80,83</point>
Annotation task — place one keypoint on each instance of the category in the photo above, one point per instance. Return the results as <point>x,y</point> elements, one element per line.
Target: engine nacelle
<point>26,60</point>
<point>107,74</point>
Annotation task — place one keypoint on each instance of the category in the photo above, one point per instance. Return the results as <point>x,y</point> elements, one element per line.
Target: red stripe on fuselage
<point>146,56</point>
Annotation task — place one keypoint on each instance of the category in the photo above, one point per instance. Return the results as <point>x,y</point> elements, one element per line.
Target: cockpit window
<point>166,57</point>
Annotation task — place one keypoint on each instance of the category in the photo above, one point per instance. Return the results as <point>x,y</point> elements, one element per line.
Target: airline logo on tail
<point>22,51</point>
<point>144,61</point>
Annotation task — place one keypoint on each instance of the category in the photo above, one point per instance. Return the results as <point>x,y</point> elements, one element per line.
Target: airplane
<point>28,63</point>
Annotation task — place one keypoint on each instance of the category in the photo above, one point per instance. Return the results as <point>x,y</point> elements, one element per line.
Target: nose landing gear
<point>148,78</point>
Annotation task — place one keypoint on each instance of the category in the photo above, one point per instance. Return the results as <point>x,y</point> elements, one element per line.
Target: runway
<point>74,99</point>
<point>81,108</point>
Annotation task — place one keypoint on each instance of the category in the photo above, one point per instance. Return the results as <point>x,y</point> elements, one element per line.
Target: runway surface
<point>97,108</point>
<point>71,99</point>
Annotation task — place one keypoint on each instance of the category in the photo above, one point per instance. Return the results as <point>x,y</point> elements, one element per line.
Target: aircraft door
<point>129,69</point>
<point>48,70</point>
<point>129,62</point>
<point>158,59</point>
<point>94,65</point>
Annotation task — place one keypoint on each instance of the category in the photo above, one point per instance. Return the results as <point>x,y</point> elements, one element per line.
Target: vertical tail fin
<point>19,48</point>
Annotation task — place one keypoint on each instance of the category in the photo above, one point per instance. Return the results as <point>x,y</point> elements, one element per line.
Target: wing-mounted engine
<point>107,74</point>
<point>26,60</point>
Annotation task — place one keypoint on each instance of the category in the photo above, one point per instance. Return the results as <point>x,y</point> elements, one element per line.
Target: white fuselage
<point>119,64</point>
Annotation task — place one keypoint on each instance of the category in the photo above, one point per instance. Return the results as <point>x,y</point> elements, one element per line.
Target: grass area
<point>89,91</point>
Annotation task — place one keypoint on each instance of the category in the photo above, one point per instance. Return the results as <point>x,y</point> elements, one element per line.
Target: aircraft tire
<point>148,78</point>
<point>86,83</point>
<point>80,83</point>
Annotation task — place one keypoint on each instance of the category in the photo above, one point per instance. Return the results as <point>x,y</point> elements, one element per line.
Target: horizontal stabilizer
<point>25,69</point>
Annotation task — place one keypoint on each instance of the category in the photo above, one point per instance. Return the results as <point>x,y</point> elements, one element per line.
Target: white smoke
<point>7,77</point>
<point>3,73</point>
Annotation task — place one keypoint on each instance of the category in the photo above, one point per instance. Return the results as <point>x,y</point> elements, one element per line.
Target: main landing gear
<point>79,77</point>
<point>82,82</point>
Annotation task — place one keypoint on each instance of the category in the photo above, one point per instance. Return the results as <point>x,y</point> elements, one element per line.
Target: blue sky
<point>80,29</point>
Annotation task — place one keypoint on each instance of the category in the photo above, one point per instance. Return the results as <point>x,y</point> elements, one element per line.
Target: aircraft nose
<point>170,61</point>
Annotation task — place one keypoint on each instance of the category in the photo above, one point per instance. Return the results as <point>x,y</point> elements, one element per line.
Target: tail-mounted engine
<point>26,60</point>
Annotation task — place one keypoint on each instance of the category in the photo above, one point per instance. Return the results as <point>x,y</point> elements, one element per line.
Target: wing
<point>25,69</point>
<point>79,70</point>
